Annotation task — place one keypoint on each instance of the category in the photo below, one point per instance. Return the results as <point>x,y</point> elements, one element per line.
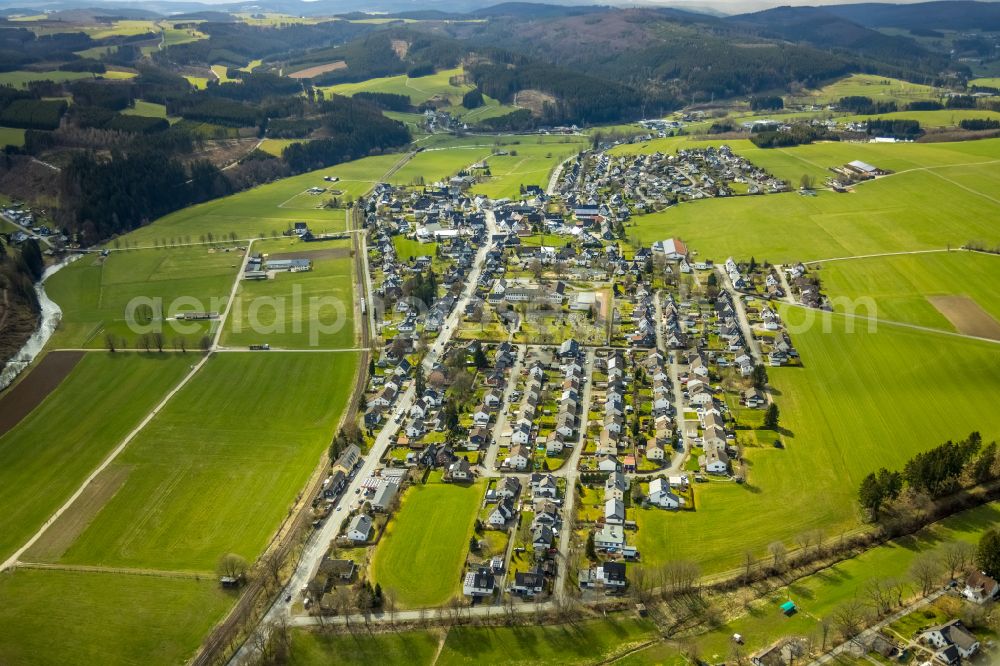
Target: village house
<point>519,458</point>
<point>661,495</point>
<point>952,641</point>
<point>479,583</point>
<point>980,588</point>
<point>359,528</point>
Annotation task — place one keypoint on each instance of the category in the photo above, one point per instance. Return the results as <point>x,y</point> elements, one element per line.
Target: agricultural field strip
<point>13,559</point>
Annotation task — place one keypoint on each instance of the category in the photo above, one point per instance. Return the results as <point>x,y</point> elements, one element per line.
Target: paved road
<point>319,541</point>
<point>490,460</point>
<point>25,229</point>
<point>571,472</point>
<point>678,458</point>
<point>741,316</point>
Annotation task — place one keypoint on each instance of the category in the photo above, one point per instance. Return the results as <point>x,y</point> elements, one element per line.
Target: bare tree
<point>233,566</point>
<point>778,554</point>
<point>747,565</point>
<point>158,341</point>
<point>389,603</point>
<point>848,617</point>
<point>110,342</point>
<point>957,557</point>
<point>926,571</point>
<point>824,629</point>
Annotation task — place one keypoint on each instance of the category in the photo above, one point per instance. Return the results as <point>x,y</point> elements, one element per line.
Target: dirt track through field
<point>28,393</point>
<point>967,316</point>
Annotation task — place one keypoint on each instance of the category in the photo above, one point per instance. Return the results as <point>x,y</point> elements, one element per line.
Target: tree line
<point>934,473</point>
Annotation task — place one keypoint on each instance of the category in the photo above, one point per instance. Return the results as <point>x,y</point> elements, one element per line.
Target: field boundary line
<point>901,324</point>
<point>883,254</point>
<point>13,559</point>
<point>129,571</point>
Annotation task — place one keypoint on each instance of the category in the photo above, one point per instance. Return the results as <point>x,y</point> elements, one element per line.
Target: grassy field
<point>897,396</point>
<point>20,78</point>
<point>275,146</point>
<point>420,89</point>
<point>993,82</point>
<point>587,643</point>
<point>818,595</point>
<point>218,469</point>
<point>298,310</point>
<point>438,164</point>
<point>45,458</point>
<point>406,647</point>
<point>532,165</point>
<point>10,136</point>
<point>879,88</point>
<point>421,553</point>
<point>269,209</point>
<point>423,88</point>
<point>940,118</point>
<point>940,195</point>
<point>148,109</point>
<point>95,293</point>
<point>105,619</point>
<point>901,285</point>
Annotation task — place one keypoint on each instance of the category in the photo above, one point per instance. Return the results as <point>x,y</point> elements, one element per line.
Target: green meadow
<point>104,618</point>
<point>402,647</point>
<point>45,458</point>
<point>419,89</point>
<point>897,396</point>
<point>436,164</point>
<point>901,285</point>
<point>21,78</point>
<point>879,88</point>
<point>817,596</point>
<point>94,293</point>
<point>220,466</point>
<point>421,553</point>
<point>532,165</point>
<point>313,309</point>
<point>11,136</point>
<point>939,195</point>
<point>268,210</point>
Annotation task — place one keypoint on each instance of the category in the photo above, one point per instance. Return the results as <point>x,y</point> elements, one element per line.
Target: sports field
<point>314,309</point>
<point>904,287</point>
<point>901,392</point>
<point>421,553</point>
<point>941,194</point>
<point>60,617</point>
<point>218,469</point>
<point>46,457</point>
<point>270,209</point>
<point>94,293</point>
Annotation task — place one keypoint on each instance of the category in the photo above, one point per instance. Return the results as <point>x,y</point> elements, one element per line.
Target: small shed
<point>788,608</point>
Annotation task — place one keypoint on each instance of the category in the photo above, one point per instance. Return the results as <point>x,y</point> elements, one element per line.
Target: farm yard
<point>216,471</point>
<point>312,309</point>
<point>421,553</point>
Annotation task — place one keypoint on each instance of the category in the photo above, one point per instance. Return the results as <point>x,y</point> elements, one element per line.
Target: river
<point>50,316</point>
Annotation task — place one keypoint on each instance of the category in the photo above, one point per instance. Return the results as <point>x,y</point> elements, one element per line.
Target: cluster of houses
<point>805,286</point>
<point>645,182</point>
<point>544,497</point>
<point>660,444</point>
<point>25,217</point>
<point>714,437</point>
<point>642,330</point>
<point>614,429</point>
